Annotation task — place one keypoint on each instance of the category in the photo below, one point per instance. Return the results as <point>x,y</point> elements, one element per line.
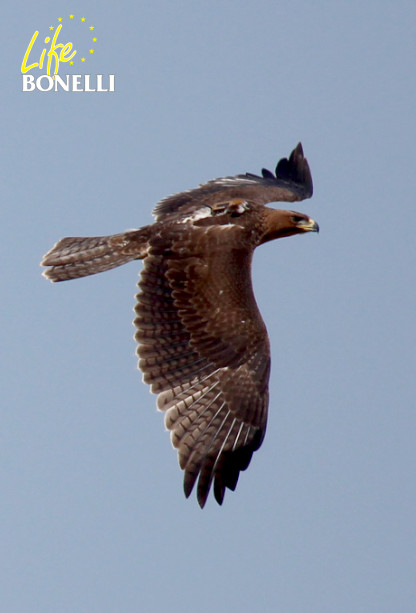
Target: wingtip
<point>298,149</point>
<point>296,169</point>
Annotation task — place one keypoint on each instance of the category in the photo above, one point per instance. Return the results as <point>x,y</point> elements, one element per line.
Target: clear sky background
<point>92,514</point>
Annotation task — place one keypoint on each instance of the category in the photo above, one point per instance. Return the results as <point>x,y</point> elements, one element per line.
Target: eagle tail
<point>74,257</point>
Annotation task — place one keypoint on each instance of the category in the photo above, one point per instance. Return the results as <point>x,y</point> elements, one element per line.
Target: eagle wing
<point>291,182</point>
<point>204,349</point>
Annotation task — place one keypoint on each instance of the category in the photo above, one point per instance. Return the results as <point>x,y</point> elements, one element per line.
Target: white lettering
<point>100,83</point>
<point>63,84</point>
<point>87,84</point>
<point>39,83</point>
<point>68,83</point>
<point>76,78</point>
<point>28,84</point>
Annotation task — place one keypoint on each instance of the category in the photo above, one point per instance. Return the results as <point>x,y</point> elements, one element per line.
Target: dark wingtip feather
<point>202,498</point>
<point>226,473</point>
<point>219,490</point>
<point>189,482</point>
<point>296,170</point>
<point>267,174</point>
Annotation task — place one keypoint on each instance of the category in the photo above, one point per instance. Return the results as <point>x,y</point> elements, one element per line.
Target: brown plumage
<point>203,346</point>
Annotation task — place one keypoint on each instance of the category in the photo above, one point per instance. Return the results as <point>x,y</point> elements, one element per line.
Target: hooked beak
<point>308,225</point>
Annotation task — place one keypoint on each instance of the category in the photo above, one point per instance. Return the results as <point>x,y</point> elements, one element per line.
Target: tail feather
<point>74,257</point>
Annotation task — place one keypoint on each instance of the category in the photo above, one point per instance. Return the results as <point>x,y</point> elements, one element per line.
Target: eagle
<point>202,343</point>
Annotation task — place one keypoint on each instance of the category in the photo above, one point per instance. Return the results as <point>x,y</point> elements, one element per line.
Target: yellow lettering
<point>52,53</point>
<point>64,51</point>
<point>26,55</point>
<point>42,55</point>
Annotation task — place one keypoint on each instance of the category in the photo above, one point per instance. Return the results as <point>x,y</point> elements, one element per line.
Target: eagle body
<point>202,343</point>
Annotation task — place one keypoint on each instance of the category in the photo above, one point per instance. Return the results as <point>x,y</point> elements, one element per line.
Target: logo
<point>46,56</point>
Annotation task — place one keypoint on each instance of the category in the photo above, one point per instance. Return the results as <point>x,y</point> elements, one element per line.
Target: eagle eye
<point>296,218</point>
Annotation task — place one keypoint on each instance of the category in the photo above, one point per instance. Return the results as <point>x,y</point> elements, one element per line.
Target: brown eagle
<point>202,343</point>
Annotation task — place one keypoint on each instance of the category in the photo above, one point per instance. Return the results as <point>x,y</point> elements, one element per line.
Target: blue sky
<point>93,517</point>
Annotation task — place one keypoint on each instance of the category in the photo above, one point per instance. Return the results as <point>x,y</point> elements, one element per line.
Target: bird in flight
<point>202,343</point>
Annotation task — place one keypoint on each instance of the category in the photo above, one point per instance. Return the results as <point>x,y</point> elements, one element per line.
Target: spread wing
<point>203,347</point>
<point>291,182</point>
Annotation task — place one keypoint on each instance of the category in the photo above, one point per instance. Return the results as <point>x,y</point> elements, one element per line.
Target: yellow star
<point>71,62</point>
<point>94,40</point>
<point>51,27</point>
<point>91,27</point>
<point>59,18</point>
<point>91,50</point>
<point>71,16</point>
<point>82,18</point>
<point>83,59</point>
